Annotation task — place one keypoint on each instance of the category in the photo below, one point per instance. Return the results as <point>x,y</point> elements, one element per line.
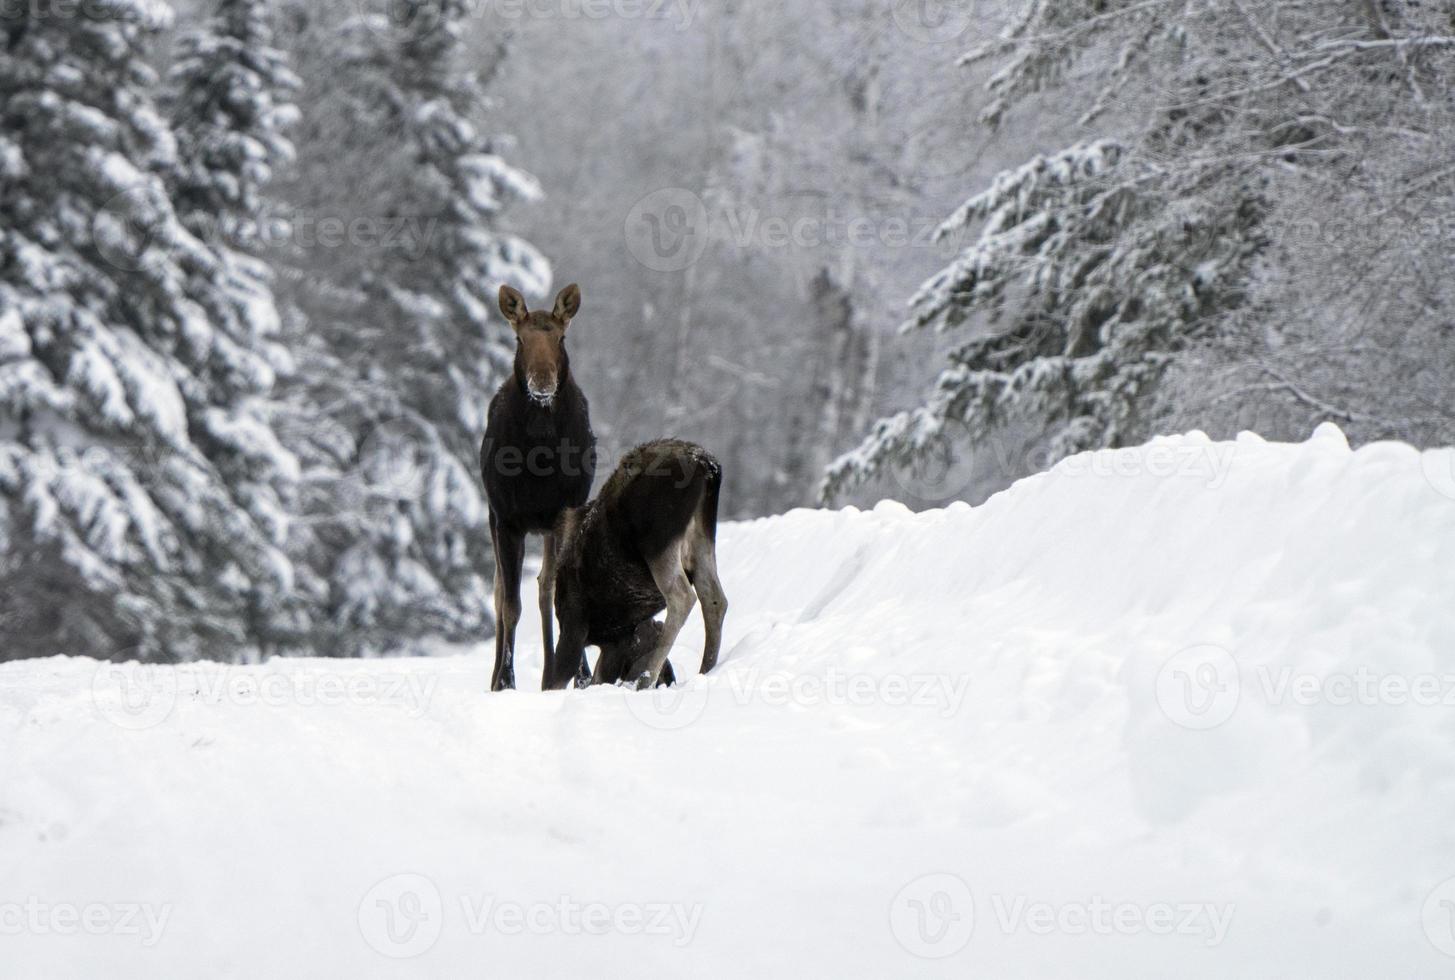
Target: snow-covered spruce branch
<point>1103,276</point>
<point>1398,43</point>
<point>1019,216</point>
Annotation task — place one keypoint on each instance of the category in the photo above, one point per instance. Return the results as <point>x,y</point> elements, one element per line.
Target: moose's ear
<point>568,304</point>
<point>512,304</point>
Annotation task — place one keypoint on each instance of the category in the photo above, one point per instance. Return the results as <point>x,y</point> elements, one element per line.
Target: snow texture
<point>1116,714</point>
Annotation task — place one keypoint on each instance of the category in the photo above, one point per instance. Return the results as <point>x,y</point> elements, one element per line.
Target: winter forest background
<point>249,253</point>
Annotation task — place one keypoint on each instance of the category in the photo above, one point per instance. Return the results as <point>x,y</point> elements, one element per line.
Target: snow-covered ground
<point>1186,710</point>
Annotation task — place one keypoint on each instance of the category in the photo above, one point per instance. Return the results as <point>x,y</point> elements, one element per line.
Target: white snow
<point>14,341</point>
<point>1183,710</point>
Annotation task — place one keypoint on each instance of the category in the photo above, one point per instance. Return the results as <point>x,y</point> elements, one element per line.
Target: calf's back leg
<point>702,570</point>
<point>670,576</point>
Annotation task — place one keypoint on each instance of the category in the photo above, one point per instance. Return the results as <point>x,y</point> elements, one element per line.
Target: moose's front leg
<point>632,657</point>
<point>610,663</point>
<point>546,588</point>
<point>509,559</point>
<point>570,657</point>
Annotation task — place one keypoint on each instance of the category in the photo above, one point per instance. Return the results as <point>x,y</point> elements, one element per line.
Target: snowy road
<point>1186,710</point>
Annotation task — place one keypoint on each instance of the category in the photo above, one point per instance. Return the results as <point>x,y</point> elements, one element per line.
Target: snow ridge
<point>1123,719</point>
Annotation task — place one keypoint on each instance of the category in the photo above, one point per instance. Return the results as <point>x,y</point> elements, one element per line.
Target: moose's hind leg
<point>671,579</point>
<point>702,570</point>
<point>556,674</point>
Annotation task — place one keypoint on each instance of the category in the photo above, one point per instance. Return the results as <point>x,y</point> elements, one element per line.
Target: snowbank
<point>1182,710</point>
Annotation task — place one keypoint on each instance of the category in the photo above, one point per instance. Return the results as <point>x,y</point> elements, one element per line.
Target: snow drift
<point>1186,709</point>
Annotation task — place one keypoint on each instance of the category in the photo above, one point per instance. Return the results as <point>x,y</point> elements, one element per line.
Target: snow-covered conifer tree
<point>231,107</point>
<point>229,96</point>
<point>414,346</point>
<point>1093,271</point>
<point>144,493</point>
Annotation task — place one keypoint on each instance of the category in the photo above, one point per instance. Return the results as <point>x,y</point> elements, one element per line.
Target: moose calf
<point>646,543</point>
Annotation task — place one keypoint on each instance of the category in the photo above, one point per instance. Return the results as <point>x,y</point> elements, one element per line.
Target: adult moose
<point>646,543</point>
<point>537,460</point>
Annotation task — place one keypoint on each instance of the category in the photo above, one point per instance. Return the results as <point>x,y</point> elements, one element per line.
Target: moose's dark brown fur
<point>648,542</point>
<point>538,459</point>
